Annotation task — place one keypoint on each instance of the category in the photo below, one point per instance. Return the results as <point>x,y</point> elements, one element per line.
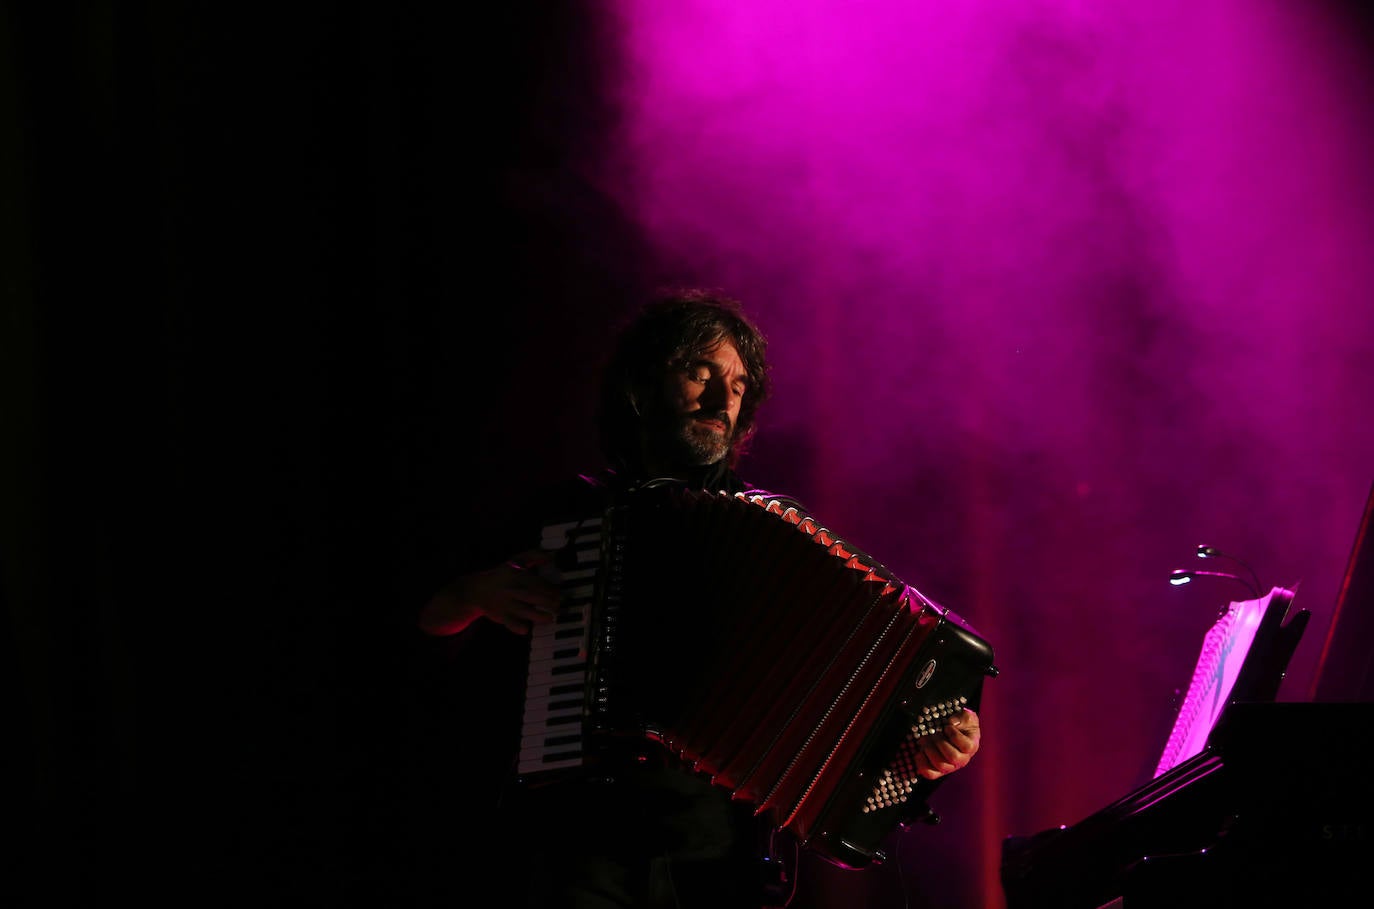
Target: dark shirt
<point>644,832</point>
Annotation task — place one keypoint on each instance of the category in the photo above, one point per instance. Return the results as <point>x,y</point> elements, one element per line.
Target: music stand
<point>1243,659</point>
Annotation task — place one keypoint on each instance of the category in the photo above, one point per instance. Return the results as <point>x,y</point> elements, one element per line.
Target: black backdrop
<point>289,293</point>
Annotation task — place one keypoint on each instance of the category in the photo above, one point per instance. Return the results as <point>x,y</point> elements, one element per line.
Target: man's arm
<point>510,594</point>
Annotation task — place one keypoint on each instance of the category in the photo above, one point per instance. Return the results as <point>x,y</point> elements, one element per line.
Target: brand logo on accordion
<point>926,672</point>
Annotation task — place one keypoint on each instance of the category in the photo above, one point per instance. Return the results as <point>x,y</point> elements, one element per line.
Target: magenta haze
<point>1058,290</point>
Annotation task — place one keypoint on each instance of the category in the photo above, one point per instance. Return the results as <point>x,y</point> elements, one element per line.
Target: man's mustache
<point>722,416</point>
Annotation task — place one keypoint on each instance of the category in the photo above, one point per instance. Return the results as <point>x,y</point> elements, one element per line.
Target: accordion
<point>757,646</point>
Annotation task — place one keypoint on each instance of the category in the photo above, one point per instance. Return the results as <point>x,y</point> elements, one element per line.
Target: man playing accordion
<point>680,394</point>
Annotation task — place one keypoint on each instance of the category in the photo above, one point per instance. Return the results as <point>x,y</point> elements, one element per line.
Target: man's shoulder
<point>581,493</point>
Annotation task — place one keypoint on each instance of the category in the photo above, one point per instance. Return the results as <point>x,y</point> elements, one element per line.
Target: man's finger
<point>530,558</point>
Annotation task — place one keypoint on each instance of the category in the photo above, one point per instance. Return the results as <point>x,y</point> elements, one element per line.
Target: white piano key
<point>559,721</point>
<point>539,766</point>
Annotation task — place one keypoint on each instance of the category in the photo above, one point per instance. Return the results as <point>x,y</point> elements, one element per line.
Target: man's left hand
<point>950,749</point>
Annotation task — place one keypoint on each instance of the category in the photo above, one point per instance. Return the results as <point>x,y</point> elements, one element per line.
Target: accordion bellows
<point>766,652</point>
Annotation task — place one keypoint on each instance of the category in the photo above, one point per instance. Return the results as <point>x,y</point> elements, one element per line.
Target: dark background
<point>269,359</point>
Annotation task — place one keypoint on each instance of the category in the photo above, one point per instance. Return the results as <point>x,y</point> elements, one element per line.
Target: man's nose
<point>716,393</point>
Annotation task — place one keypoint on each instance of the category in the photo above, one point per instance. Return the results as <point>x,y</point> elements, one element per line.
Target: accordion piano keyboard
<point>551,734</point>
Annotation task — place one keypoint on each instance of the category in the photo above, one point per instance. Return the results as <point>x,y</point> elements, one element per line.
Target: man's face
<point>703,399</point>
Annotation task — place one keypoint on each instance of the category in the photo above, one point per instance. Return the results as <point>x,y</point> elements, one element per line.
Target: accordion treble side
<point>758,647</point>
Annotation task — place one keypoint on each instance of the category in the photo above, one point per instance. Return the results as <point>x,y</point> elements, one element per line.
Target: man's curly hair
<point>676,326</point>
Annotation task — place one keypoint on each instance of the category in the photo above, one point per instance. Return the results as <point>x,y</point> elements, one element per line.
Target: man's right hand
<point>513,594</point>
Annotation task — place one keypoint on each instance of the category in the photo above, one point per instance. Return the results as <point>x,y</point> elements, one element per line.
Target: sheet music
<point>1223,653</point>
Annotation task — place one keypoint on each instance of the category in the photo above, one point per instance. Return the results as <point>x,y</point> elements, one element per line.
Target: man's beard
<point>681,442</point>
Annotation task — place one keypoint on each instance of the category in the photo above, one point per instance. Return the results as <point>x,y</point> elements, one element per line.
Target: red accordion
<point>758,647</point>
